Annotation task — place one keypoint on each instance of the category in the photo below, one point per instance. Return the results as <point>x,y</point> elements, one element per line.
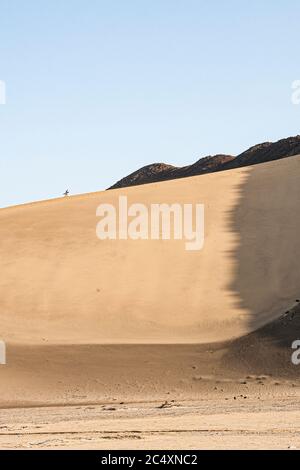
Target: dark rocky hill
<point>260,153</point>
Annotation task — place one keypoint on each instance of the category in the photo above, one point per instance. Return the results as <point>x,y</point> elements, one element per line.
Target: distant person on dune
<point>66,193</point>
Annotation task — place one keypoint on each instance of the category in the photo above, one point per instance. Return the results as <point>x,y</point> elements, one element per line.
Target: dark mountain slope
<point>161,172</point>
<point>267,152</point>
<point>260,153</point>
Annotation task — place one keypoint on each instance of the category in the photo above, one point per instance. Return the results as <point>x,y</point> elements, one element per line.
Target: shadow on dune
<point>266,283</point>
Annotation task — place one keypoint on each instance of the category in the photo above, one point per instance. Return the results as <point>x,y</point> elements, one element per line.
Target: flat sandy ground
<point>242,394</point>
<point>258,422</point>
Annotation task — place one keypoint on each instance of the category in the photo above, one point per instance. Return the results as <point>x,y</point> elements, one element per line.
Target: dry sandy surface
<point>270,423</point>
<point>100,334</point>
<point>241,394</point>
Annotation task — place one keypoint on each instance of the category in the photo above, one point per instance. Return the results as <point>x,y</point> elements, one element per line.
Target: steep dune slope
<point>60,284</point>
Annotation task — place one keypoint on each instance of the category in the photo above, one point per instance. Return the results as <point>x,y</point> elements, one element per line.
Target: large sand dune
<point>60,284</point>
<point>91,322</point>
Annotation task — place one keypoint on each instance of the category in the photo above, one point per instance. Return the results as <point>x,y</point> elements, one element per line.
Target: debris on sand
<point>166,404</point>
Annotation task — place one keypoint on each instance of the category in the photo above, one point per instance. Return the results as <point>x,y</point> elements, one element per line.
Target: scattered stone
<point>166,404</point>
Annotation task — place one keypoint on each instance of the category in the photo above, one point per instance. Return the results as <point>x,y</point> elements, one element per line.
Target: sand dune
<point>61,285</point>
<point>90,321</point>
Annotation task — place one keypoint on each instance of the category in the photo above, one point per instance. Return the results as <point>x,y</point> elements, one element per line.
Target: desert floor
<point>262,420</point>
<point>242,394</point>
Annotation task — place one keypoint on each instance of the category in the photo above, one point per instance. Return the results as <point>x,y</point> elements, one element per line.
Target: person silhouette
<point>66,193</point>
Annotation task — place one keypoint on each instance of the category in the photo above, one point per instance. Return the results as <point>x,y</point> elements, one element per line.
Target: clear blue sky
<point>97,89</point>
